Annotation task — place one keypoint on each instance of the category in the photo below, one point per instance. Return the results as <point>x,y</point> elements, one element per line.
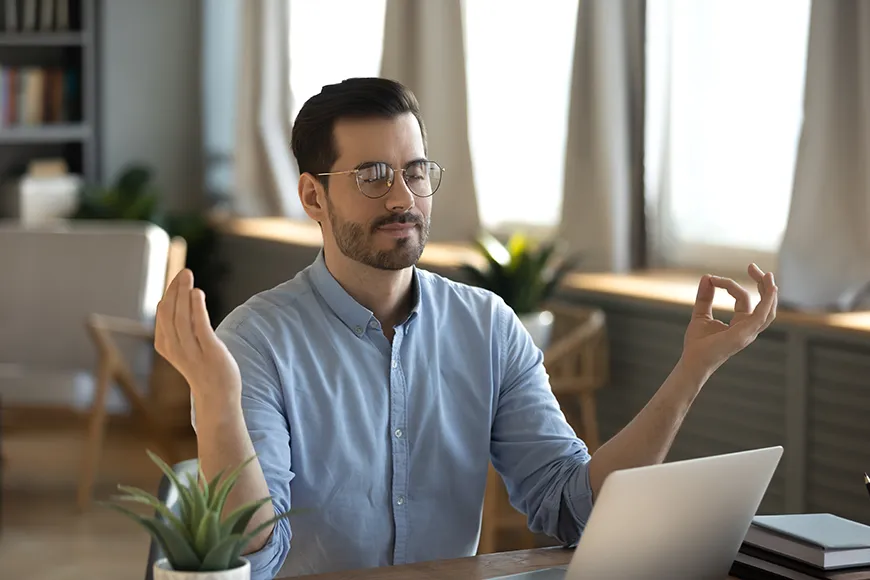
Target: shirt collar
<point>353,314</point>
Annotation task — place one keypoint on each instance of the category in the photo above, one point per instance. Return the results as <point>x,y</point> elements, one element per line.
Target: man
<point>375,394</point>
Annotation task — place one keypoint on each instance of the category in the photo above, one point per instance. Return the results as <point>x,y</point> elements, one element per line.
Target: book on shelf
<point>35,15</point>
<point>35,96</point>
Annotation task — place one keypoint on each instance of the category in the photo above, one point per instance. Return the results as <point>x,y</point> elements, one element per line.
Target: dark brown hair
<point>312,137</point>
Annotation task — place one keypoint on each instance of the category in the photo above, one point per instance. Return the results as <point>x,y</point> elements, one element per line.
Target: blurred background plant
<point>133,196</point>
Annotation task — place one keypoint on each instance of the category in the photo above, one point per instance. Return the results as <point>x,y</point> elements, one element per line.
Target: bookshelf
<point>48,85</point>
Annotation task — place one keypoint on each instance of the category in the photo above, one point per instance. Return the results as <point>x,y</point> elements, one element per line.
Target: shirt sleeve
<point>542,461</point>
<point>265,417</point>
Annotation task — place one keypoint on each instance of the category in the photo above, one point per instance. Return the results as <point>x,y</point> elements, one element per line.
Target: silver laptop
<point>677,520</point>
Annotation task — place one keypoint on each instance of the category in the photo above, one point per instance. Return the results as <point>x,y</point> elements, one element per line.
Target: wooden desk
<point>476,568</point>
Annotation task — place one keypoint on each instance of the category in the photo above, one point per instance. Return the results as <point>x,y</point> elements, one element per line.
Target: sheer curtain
<point>424,50</point>
<point>724,101</point>
<point>825,255</point>
<point>519,75</point>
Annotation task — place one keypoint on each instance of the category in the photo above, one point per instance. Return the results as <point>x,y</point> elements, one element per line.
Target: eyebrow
<point>367,163</point>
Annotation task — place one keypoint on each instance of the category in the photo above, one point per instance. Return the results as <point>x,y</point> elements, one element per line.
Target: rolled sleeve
<point>266,421</point>
<point>542,461</point>
<point>267,562</point>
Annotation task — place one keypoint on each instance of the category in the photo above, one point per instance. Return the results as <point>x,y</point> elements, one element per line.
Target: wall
<point>149,81</point>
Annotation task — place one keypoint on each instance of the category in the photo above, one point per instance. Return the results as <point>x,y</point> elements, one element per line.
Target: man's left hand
<point>709,342</point>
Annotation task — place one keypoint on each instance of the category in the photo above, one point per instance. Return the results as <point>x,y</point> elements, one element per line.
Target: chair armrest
<point>119,325</point>
<point>568,344</point>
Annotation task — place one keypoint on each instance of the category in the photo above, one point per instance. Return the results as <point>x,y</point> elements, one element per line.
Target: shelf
<point>44,134</point>
<point>38,38</point>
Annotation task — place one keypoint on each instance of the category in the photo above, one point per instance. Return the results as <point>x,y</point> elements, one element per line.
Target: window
<point>725,85</point>
<point>518,74</point>
<point>331,40</point>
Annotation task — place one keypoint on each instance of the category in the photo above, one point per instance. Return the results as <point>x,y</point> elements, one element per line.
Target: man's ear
<point>312,196</point>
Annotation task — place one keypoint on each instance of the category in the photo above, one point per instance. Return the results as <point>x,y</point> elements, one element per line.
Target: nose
<point>400,198</point>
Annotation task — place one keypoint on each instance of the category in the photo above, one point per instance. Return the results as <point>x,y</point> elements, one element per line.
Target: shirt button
<point>394,364</point>
<point>358,329</point>
<point>400,500</point>
<point>399,433</point>
<point>374,324</point>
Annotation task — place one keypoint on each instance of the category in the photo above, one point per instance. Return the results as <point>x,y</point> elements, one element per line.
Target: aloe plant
<point>524,273</point>
<point>198,539</point>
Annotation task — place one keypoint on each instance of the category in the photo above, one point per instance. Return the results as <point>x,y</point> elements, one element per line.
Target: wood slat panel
<point>838,440</point>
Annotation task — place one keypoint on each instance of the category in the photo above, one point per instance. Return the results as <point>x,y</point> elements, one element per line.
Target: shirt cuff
<point>578,500</point>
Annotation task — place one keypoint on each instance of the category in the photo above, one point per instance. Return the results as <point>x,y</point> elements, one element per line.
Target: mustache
<point>400,218</point>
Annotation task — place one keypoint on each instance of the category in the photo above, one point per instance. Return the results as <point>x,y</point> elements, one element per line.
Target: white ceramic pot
<point>540,326</point>
<point>162,571</point>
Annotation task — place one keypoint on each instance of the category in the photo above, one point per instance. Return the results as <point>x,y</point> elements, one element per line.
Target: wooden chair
<point>167,405</point>
<point>578,363</point>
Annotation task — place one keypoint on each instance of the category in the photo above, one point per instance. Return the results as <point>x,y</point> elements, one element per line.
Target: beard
<point>356,240</point>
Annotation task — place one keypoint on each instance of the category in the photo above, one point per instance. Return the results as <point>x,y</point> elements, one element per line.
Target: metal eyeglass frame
<point>360,167</point>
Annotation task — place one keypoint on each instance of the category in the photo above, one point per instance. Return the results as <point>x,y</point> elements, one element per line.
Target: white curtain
<point>265,174</point>
<point>602,216</point>
<point>424,50</point>
<point>824,259</point>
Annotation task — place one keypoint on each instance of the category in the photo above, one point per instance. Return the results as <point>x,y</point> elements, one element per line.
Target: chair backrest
<point>55,276</point>
<point>168,494</point>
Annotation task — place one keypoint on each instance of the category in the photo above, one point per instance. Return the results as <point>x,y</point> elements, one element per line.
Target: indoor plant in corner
<point>198,543</point>
<point>525,275</point>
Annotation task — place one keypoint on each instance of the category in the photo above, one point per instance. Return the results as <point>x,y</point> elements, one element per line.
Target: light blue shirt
<point>386,447</point>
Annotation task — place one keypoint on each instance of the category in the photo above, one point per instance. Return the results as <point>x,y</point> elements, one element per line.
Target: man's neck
<point>387,293</point>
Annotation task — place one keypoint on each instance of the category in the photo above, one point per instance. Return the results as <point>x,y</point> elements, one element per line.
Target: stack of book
<point>804,547</point>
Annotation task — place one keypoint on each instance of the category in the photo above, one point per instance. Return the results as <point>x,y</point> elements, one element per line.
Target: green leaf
<point>253,533</point>
<point>220,496</point>
<point>223,555</point>
<point>476,277</point>
<point>493,250</point>
<point>561,271</point>
<point>140,496</point>
<point>238,519</point>
<point>213,484</point>
<point>177,549</point>
<point>183,492</point>
<point>203,481</point>
<point>208,534</point>
<point>199,506</point>
<point>133,180</point>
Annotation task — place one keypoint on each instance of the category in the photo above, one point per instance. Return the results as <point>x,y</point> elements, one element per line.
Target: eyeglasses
<point>375,178</point>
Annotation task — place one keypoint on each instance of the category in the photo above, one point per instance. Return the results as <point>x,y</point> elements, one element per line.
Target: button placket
<point>398,394</point>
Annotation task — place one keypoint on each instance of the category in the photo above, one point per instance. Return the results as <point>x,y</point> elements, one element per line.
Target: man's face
<point>389,232</point>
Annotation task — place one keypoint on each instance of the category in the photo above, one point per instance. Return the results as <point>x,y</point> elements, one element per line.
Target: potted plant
<point>134,196</point>
<point>525,274</point>
<point>199,543</point>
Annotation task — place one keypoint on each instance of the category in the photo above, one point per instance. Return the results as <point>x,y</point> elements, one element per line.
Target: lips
<point>397,227</point>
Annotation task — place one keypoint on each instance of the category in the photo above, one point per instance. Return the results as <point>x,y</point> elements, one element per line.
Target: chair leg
<point>489,530</point>
<point>590,421</point>
<point>96,433</point>
<point>157,433</point>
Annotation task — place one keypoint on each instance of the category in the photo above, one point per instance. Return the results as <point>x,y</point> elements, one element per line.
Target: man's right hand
<point>184,337</point>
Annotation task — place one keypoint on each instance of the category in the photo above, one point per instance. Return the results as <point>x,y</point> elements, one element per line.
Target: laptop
<point>675,520</point>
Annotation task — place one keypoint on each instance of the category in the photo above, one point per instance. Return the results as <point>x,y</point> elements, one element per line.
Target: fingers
<point>202,329</point>
<point>765,311</point>
<point>183,322</point>
<point>704,299</point>
<point>756,274</point>
<point>165,332</point>
<point>742,302</point>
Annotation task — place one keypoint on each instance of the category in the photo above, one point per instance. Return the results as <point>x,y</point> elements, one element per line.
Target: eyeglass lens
<point>422,178</point>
